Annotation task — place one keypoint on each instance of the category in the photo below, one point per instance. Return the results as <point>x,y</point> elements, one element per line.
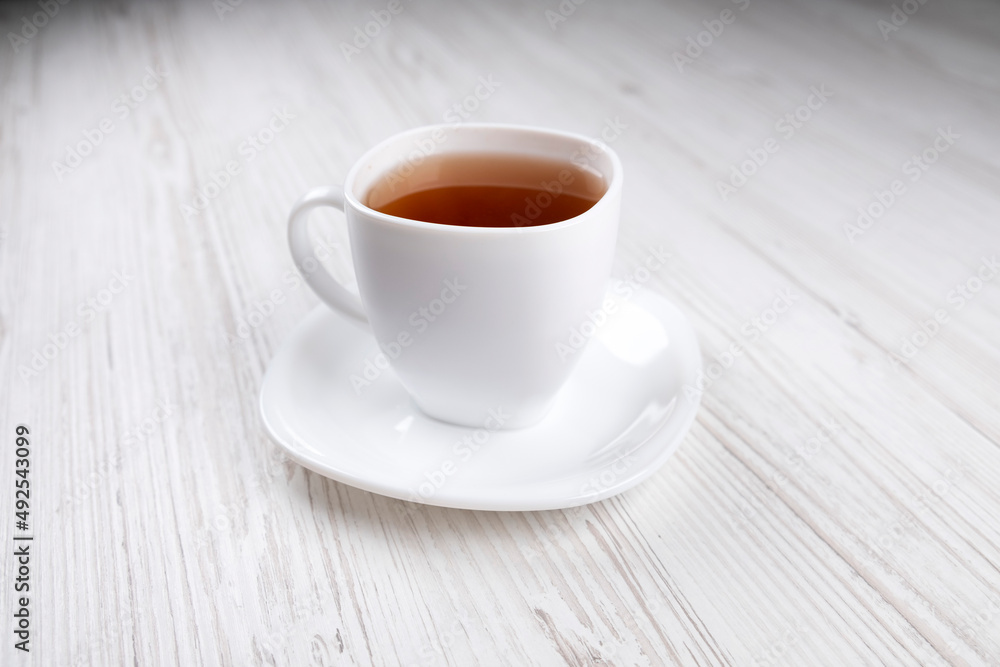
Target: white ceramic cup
<point>470,318</point>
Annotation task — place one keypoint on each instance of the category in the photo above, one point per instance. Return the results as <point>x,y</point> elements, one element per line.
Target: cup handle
<point>325,285</point>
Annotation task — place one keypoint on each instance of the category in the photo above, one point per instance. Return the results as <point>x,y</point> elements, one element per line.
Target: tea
<point>488,190</point>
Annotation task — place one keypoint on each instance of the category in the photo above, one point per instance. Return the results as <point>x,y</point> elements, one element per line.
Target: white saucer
<point>615,422</point>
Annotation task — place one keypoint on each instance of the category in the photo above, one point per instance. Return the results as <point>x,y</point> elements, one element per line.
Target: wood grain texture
<point>833,504</point>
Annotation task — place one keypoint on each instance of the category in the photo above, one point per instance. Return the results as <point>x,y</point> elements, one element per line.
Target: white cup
<point>471,318</point>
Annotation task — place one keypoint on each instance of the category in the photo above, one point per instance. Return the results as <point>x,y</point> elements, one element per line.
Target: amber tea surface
<point>488,190</point>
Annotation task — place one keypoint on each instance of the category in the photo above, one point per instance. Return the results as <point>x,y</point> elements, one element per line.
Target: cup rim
<point>353,201</point>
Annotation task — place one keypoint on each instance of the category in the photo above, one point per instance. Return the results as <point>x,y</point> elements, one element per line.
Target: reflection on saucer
<point>633,335</point>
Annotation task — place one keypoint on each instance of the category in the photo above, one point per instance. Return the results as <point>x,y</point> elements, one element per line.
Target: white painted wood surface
<point>829,507</point>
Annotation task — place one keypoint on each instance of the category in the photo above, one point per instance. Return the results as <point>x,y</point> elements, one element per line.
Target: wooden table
<point>836,501</point>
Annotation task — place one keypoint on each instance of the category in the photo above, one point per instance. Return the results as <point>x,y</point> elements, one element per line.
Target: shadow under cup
<point>482,325</point>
